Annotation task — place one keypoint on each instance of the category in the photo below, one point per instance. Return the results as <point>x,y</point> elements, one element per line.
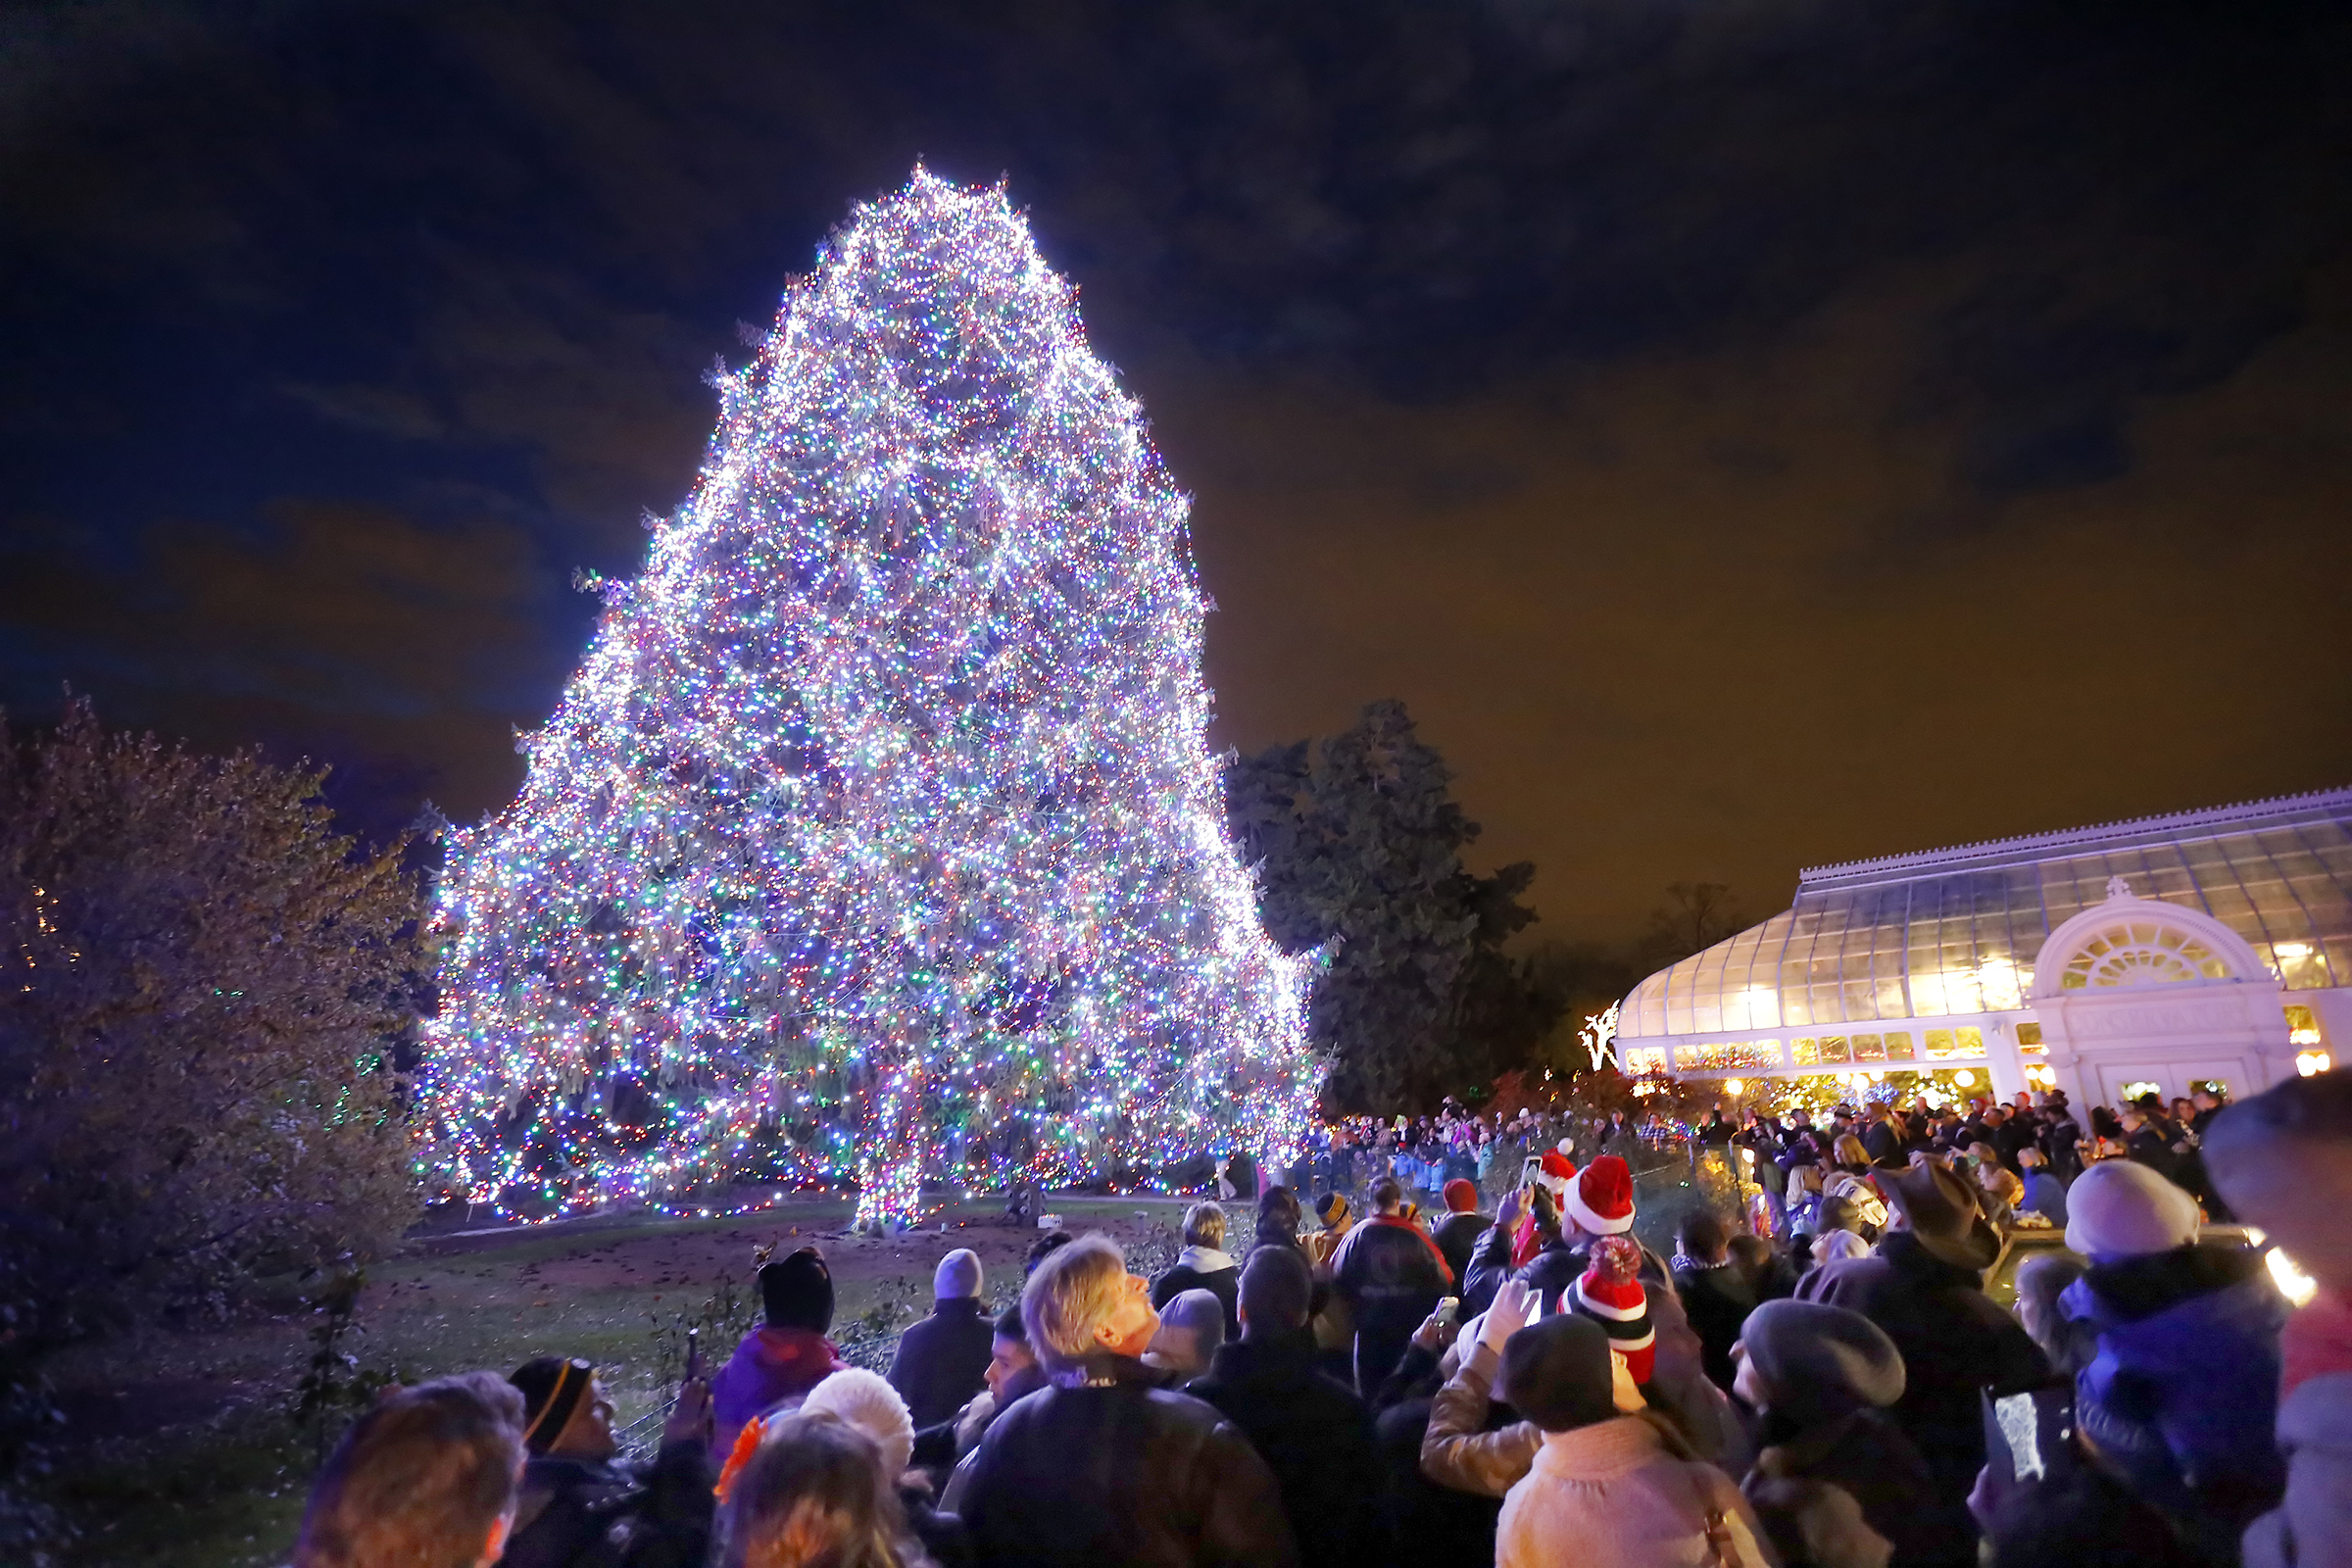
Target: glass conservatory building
<point>2167,952</point>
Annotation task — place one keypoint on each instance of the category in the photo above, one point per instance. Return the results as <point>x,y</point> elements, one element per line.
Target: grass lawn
<point>179,1449</point>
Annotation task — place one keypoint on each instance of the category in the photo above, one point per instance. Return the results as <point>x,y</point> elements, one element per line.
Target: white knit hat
<point>957,1275</point>
<point>866,1401</point>
<point>2119,1209</point>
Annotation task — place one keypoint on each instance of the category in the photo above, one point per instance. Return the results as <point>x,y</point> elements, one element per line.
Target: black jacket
<point>1457,1236</point>
<point>1225,1284</point>
<point>1550,1271</point>
<point>1717,1301</point>
<point>1391,1277</point>
<point>593,1513</point>
<point>1955,1342</point>
<point>1316,1436</point>
<point>942,1359</point>
<point>1122,1473</point>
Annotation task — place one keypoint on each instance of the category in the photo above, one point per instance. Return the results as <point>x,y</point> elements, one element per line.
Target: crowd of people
<point>1532,1385</point>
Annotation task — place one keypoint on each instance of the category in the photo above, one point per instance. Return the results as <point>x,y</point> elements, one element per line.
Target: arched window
<point>2141,952</point>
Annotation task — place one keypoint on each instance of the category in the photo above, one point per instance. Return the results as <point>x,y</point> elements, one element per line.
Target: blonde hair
<point>1848,1150</point>
<point>1204,1226</point>
<point>1073,1292</point>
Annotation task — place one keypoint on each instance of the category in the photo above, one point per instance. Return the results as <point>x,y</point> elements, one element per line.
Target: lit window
<point>1899,1047</point>
<point>2302,1026</point>
<point>1968,1041</point>
<point>2029,1033</point>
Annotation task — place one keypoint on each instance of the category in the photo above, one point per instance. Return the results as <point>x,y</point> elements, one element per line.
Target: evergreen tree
<point>878,834</point>
<point>1359,844</point>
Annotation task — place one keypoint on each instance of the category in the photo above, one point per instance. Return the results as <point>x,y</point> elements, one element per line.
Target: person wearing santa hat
<point>1609,1292</point>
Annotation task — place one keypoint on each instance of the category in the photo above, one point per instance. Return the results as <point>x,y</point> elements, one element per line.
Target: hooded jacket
<point>1866,1457</point>
<point>1391,1275</point>
<point>2171,1328</point>
<point>1203,1268</point>
<point>770,1367</point>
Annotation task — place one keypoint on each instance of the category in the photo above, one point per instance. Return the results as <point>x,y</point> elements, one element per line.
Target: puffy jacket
<point>1316,1436</point>
<point>942,1360</point>
<point>593,1513</point>
<point>1122,1472</point>
<point>2173,1328</point>
<point>1549,1272</point>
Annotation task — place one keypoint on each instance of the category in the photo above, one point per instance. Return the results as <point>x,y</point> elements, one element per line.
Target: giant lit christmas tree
<point>878,835</point>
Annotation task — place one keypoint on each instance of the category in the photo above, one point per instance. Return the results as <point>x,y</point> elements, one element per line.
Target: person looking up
<point>579,1504</point>
<point>423,1478</point>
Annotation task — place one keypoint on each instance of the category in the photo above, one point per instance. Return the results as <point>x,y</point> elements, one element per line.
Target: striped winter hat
<point>1610,1294</point>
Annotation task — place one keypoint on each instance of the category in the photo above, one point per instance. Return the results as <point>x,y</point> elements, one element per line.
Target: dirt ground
<point>177,1448</point>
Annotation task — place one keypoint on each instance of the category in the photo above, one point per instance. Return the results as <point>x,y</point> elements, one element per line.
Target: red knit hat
<point>1601,1203</point>
<point>1609,1292</point>
<point>1461,1195</point>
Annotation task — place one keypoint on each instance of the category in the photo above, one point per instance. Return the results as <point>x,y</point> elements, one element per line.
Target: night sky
<point>1747,434</point>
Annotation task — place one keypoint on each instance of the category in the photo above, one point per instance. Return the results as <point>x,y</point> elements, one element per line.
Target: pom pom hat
<point>1610,1294</point>
<point>1601,1203</point>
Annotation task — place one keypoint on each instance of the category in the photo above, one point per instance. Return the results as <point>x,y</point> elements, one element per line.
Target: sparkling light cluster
<point>878,835</point>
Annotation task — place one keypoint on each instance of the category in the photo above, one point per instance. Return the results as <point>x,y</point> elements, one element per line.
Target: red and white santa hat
<point>1557,1173</point>
<point>1601,1203</point>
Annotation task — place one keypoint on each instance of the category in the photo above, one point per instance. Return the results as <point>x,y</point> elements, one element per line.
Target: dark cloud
<point>1732,425</point>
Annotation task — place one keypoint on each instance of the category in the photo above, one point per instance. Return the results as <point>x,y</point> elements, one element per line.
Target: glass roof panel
<point>1957,931</point>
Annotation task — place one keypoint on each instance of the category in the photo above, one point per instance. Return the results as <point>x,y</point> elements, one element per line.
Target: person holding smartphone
<point>580,1503</point>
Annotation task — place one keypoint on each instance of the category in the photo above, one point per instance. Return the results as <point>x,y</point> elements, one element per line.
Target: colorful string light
<point>878,836</point>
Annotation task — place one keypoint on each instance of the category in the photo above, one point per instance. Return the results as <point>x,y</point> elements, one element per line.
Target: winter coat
<point>1122,1472</point>
<point>1316,1436</point>
<point>1955,1342</point>
<point>2045,1195</point>
<point>770,1367</point>
<point>1432,1524</point>
<point>1770,1174</point>
<point>2172,1329</point>
<point>1203,1268</point>
<point>1866,1457</point>
<point>1621,1493</point>
<point>1717,1301</point>
<point>1549,1272</point>
<point>1458,1237</point>
<point>596,1514</point>
<point>942,1360</point>
<point>1884,1144</point>
<point>1457,1450</point>
<point>1391,1275</point>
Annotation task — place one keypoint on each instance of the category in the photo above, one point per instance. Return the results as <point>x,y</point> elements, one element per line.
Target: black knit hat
<point>1557,1373</point>
<point>798,1291</point>
<point>551,1388</point>
<point>1819,1361</point>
